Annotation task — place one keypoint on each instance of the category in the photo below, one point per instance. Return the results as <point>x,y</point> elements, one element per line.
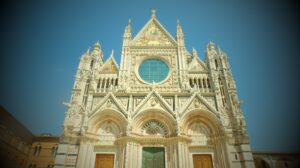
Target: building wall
<point>276,160</point>
<point>17,145</point>
<point>43,151</point>
<point>15,141</point>
<point>193,110</point>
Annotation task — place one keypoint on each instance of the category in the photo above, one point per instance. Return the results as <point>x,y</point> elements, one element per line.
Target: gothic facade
<point>161,107</point>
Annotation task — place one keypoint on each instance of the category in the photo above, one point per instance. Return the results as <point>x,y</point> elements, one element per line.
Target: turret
<point>127,34</point>
<point>125,57</point>
<point>179,35</point>
<point>210,56</point>
<point>224,85</point>
<point>181,58</point>
<point>97,56</point>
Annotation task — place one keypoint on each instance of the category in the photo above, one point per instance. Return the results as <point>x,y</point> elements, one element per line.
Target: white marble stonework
<point>193,110</point>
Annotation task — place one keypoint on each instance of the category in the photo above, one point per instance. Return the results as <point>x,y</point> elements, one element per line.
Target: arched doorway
<point>206,148</point>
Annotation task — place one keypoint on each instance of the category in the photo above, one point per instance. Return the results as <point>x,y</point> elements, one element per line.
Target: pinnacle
<point>97,45</point>
<point>112,53</point>
<point>153,11</point>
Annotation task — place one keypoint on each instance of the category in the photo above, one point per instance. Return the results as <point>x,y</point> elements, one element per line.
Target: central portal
<point>153,157</point>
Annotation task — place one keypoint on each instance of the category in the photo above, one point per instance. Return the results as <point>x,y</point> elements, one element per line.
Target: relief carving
<point>153,36</point>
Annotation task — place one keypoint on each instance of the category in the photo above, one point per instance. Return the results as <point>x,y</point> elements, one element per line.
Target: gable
<point>197,102</point>
<point>196,65</point>
<point>153,34</point>
<point>109,102</point>
<point>153,101</point>
<point>109,66</point>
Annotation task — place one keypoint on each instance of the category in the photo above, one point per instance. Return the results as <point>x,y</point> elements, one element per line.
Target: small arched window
<point>54,150</point>
<point>216,63</point>
<point>103,83</point>
<point>208,83</point>
<point>37,149</point>
<point>116,83</point>
<point>199,81</point>
<point>191,83</point>
<point>92,64</point>
<point>98,85</point>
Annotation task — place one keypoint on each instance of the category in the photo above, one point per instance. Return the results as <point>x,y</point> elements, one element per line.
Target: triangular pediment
<point>153,101</point>
<point>109,102</point>
<point>197,102</point>
<point>110,66</point>
<point>196,65</point>
<point>153,34</point>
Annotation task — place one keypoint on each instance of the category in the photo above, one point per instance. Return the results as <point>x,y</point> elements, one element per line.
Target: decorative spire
<point>179,29</point>
<point>127,32</point>
<point>219,50</point>
<point>195,54</point>
<point>153,11</point>
<point>179,34</point>
<point>97,46</point>
<point>88,51</point>
<point>112,53</point>
<point>211,45</point>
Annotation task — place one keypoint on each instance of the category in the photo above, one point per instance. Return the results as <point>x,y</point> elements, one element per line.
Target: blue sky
<point>42,41</point>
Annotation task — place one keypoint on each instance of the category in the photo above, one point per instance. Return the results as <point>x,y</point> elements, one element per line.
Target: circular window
<point>153,70</point>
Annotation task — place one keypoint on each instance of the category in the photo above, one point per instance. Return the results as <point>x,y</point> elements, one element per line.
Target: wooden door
<point>202,161</point>
<point>104,161</point>
<point>153,157</point>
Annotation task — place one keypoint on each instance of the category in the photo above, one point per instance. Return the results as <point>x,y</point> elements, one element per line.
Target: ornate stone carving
<point>153,36</point>
<point>153,102</point>
<point>199,133</point>
<point>154,127</point>
<point>124,101</point>
<point>108,103</point>
<point>182,101</point>
<point>138,100</point>
<point>211,101</point>
<point>123,110</point>
<point>169,100</point>
<point>225,119</point>
<point>197,103</point>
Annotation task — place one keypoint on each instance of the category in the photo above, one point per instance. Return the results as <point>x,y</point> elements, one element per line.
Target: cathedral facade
<point>162,107</point>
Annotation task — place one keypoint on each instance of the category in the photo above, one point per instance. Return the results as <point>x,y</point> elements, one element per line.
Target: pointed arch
<point>111,102</point>
<point>205,117</point>
<point>95,121</point>
<point>168,121</point>
<point>159,100</point>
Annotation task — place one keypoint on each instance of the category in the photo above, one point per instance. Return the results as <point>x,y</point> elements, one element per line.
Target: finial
<point>194,54</point>
<point>178,22</point>
<point>88,50</point>
<point>129,21</point>
<point>211,45</point>
<point>97,46</point>
<point>194,50</point>
<point>112,53</point>
<point>219,49</point>
<point>153,11</point>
